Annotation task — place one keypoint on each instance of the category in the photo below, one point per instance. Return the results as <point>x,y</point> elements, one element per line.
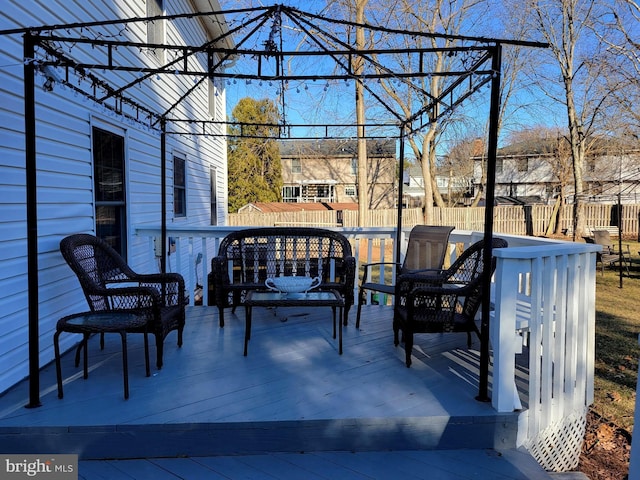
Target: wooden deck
<point>292,393</point>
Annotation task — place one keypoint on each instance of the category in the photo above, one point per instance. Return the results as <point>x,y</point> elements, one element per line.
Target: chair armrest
<point>626,249</point>
<point>128,298</point>
<point>407,282</point>
<point>459,290</point>
<point>169,286</point>
<point>373,264</point>
<point>368,266</point>
<point>428,271</point>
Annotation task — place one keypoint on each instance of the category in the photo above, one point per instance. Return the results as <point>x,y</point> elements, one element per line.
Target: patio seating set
<point>611,255</point>
<point>275,267</point>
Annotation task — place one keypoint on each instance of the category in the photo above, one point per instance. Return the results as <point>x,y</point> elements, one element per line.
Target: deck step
<point>248,438</point>
<point>442,464</point>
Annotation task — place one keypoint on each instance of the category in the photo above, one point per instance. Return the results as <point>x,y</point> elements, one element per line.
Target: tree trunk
<point>358,63</point>
<point>576,140</point>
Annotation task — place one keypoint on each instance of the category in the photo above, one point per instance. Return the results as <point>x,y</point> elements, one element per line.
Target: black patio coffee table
<point>325,298</point>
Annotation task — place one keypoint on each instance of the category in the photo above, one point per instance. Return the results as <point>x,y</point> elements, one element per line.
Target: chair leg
<point>146,354</point>
<point>396,329</point>
<point>408,346</point>
<point>159,350</point>
<point>180,329</point>
<point>125,368</point>
<point>360,300</point>
<point>221,315</point>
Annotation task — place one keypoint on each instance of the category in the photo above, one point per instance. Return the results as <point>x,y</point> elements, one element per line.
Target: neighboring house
<point>98,171</point>
<point>537,175</point>
<point>326,171</point>
<point>458,188</point>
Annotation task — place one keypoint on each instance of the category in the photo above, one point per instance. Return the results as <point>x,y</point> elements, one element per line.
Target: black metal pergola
<point>254,48</point>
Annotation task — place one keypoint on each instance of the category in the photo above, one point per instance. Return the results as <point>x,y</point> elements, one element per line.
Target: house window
<point>499,165</point>
<point>296,166</point>
<point>523,164</point>
<point>290,194</point>
<point>179,187</point>
<point>354,166</point>
<point>213,174</point>
<point>323,191</point>
<point>109,188</point>
<point>155,29</point>
<point>350,191</point>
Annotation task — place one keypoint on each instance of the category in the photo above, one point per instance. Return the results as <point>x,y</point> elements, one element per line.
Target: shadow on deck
<point>292,393</point>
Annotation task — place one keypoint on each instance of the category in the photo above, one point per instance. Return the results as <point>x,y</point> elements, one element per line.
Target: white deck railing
<point>543,296</point>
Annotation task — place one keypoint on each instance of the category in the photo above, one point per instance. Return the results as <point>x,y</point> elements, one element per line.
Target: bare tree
<point>447,17</point>
<point>617,29</point>
<point>567,25</point>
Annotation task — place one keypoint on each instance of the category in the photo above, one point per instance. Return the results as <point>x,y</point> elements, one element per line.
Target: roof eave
<point>215,25</point>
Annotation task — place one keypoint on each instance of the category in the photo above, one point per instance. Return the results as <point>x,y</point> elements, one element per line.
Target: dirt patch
<point>606,450</point>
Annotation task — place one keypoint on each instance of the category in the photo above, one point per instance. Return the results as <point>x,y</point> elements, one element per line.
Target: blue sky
<point>320,102</point>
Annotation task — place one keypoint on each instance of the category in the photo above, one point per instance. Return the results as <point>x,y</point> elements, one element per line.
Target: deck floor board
<point>292,371</point>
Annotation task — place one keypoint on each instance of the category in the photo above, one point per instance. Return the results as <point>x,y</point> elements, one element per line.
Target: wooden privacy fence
<point>513,220</point>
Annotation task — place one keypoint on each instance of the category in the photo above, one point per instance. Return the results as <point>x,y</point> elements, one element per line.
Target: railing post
<point>504,337</point>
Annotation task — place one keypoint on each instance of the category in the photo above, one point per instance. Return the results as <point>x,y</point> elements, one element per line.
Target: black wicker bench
<point>246,258</point>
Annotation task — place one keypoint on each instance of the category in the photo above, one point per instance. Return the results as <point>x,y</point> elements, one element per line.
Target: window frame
<point>118,205</point>
<point>351,188</point>
<point>179,189</point>
<point>213,178</point>
<point>295,190</point>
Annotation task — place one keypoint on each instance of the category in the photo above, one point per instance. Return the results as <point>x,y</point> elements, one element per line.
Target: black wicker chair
<point>426,249</point>
<point>99,268</point>
<point>246,258</point>
<point>441,301</point>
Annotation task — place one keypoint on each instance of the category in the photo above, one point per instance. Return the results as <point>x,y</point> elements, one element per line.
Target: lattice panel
<point>557,448</point>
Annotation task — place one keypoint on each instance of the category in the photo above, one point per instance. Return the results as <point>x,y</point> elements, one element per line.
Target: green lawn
<point>617,350</point>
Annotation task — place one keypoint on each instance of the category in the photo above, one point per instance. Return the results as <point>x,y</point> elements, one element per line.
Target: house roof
<point>335,148</point>
<point>274,207</point>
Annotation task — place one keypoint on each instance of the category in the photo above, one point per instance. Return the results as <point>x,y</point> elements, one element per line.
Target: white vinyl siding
<point>65,171</point>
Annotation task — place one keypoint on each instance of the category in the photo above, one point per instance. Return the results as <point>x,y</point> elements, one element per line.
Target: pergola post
<point>492,149</point>
<point>163,194</point>
<point>32,220</point>
<point>400,195</point>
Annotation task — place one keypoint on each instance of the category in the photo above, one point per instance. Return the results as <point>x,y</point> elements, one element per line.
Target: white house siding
<point>65,170</point>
